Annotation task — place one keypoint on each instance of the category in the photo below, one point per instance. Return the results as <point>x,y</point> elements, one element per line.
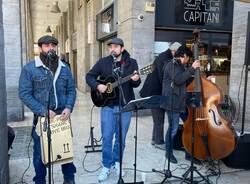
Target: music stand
<point>140,104</point>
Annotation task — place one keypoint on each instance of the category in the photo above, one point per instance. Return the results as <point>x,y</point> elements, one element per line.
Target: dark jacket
<point>104,68</point>
<point>176,76</point>
<point>153,82</point>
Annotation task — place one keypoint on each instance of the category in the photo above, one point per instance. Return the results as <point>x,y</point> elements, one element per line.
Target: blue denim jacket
<point>37,86</point>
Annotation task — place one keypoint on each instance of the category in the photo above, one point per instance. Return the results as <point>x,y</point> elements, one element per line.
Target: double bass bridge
<point>201,119</point>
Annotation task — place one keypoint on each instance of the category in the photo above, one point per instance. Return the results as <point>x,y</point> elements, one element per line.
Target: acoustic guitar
<point>99,99</point>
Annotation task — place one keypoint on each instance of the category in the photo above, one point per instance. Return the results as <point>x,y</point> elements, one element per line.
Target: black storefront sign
<point>198,12</point>
<point>203,14</point>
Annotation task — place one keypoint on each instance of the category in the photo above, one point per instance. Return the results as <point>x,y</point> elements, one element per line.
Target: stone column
<point>93,8</point>
<point>241,10</point>
<point>70,32</point>
<point>3,110</point>
<point>27,47</point>
<point>29,33</point>
<point>82,46</point>
<point>13,57</point>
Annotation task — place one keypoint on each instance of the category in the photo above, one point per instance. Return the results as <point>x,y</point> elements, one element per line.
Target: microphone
<point>51,53</point>
<point>113,55</point>
<point>174,60</point>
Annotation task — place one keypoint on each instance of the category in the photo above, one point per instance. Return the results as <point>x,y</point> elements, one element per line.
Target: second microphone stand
<point>49,60</point>
<point>168,173</point>
<point>117,71</point>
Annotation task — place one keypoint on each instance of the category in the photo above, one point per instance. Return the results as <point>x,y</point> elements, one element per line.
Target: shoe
<point>160,146</point>
<point>195,161</point>
<point>68,182</point>
<point>104,174</point>
<point>153,143</point>
<point>116,167</point>
<point>172,159</point>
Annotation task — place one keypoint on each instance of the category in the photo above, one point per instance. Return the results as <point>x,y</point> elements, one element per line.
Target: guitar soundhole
<point>109,89</point>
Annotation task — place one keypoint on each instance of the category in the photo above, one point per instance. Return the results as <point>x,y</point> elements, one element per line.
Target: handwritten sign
<point>61,140</point>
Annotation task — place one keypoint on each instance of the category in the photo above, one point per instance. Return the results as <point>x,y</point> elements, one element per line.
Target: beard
<point>50,62</point>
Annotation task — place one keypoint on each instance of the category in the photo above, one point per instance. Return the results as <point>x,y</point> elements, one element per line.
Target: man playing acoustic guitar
<point>117,64</point>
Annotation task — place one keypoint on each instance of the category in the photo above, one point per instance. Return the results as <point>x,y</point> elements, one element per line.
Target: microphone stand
<point>48,119</point>
<point>168,173</point>
<point>120,180</point>
<point>118,73</point>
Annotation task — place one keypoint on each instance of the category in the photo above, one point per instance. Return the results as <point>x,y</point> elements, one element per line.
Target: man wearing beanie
<point>47,79</point>
<point>176,76</point>
<point>153,86</point>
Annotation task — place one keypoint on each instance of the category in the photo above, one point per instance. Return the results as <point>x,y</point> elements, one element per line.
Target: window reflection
<point>106,21</point>
<point>221,54</point>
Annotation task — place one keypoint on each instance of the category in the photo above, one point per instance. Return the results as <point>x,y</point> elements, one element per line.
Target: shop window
<point>221,54</point>
<point>106,22</point>
<point>214,48</point>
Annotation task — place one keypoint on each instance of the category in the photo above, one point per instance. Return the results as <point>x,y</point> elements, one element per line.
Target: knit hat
<point>174,46</point>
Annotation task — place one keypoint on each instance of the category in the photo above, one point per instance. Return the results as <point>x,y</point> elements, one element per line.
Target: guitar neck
<point>123,80</point>
<point>143,71</point>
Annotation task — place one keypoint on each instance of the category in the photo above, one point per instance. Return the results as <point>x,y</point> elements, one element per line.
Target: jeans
<point>68,169</point>
<point>158,115</point>
<point>109,128</point>
<point>173,120</point>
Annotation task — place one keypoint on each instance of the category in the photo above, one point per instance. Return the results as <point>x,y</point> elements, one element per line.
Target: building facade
<point>148,27</point>
<point>237,74</point>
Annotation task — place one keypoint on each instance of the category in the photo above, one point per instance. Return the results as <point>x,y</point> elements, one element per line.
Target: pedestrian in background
<point>153,86</point>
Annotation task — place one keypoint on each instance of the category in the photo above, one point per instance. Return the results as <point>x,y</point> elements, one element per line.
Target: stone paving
<point>147,156</point>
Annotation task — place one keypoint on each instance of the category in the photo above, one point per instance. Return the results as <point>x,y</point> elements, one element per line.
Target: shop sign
<point>201,11</point>
<point>202,14</point>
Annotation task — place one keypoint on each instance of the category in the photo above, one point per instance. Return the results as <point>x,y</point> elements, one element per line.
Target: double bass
<point>214,137</point>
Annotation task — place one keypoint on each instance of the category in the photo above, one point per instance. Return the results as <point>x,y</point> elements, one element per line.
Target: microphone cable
<point>29,163</point>
<point>236,119</point>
